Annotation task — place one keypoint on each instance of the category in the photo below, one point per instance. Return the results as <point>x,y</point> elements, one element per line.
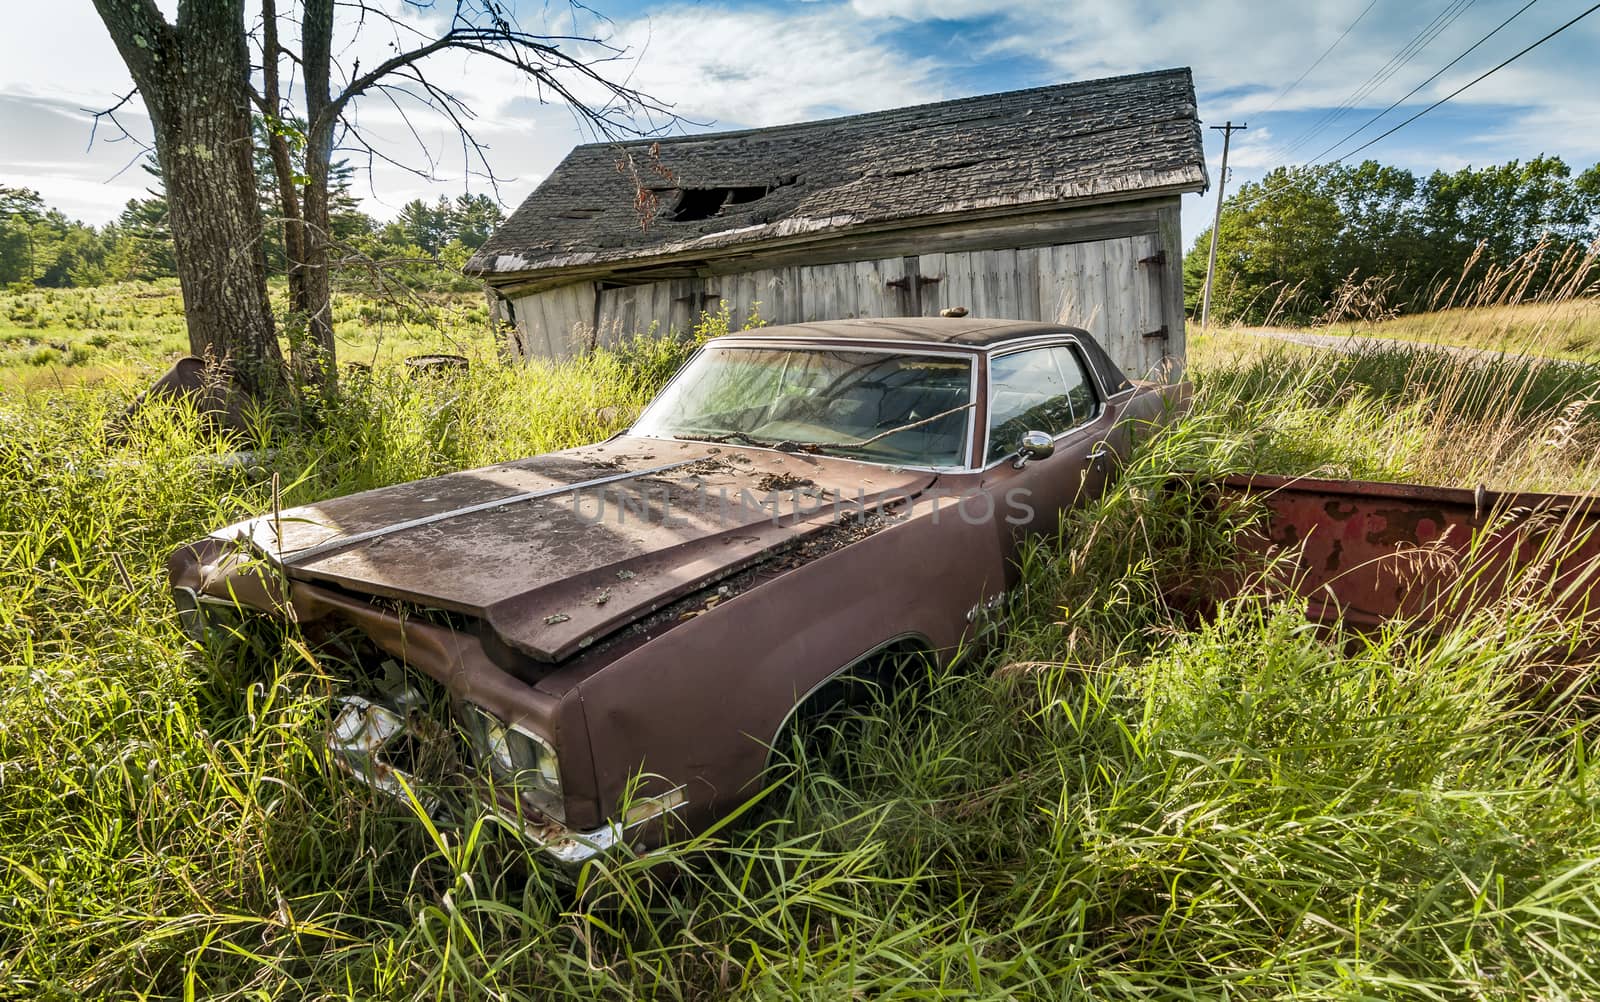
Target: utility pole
<point>1222,183</point>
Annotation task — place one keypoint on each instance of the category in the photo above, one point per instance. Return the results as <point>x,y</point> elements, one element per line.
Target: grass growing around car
<point>1118,800</point>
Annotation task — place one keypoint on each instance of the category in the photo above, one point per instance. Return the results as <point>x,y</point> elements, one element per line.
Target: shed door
<point>1101,286</point>
<point>880,288</point>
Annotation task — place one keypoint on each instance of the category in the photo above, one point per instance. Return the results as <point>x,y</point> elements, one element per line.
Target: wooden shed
<point>1055,203</point>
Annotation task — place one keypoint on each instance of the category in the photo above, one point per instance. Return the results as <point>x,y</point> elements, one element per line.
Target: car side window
<point>1080,391</point>
<point>1026,393</point>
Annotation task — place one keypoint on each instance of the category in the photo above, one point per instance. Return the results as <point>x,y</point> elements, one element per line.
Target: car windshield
<point>889,408</point>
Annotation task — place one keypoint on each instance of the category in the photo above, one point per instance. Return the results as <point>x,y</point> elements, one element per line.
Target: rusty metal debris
<point>436,365</point>
<point>1367,553</point>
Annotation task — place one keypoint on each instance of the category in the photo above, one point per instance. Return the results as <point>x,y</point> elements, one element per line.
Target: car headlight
<point>517,758</point>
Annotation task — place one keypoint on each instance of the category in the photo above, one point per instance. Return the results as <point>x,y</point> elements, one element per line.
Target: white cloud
<point>61,51</point>
<point>922,10</point>
<point>1252,149</point>
<point>757,68</point>
<point>741,67</point>
<point>1246,52</point>
<point>733,68</point>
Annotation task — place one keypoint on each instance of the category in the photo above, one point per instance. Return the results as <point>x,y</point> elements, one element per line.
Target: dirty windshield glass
<point>889,408</point>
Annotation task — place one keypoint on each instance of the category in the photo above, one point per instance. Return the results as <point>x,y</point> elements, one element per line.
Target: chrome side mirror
<point>1034,445</point>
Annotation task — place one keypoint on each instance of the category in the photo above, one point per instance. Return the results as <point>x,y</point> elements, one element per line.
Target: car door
<point>1094,424</point>
<point>1046,389</point>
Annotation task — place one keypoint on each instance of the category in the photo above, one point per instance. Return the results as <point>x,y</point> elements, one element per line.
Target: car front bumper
<point>369,739</point>
<point>363,741</point>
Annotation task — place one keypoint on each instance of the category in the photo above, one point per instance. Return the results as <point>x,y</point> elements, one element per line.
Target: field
<point>1114,800</point>
<point>52,338</point>
<point>1565,329</point>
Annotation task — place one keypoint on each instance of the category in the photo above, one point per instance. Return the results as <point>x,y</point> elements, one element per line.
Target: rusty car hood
<point>556,551</point>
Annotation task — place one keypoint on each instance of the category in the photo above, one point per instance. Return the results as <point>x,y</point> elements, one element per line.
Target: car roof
<point>971,332</point>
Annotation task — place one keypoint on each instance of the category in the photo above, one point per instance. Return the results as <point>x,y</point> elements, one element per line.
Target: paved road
<point>1352,343</point>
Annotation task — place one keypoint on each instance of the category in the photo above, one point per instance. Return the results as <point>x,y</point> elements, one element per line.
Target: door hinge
<point>1159,333</point>
<point>903,284</point>
<point>1159,258</point>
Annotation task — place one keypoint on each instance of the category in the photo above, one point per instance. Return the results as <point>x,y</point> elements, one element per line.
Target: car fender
<point>699,705</point>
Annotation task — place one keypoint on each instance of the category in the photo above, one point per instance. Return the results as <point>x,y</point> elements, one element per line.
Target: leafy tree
<point>474,218</point>
<point>139,243</point>
<point>1276,243</point>
<point>344,210</point>
<point>41,246</point>
<point>1379,233</point>
<point>1508,208</point>
<point>68,252</point>
<point>1289,244</point>
<point>422,225</point>
<point>20,210</point>
<point>467,220</point>
<point>142,248</point>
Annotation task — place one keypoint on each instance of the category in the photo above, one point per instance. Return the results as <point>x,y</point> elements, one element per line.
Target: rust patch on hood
<point>556,552</point>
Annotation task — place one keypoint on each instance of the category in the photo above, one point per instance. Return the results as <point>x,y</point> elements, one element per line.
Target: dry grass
<point>1392,397</point>
<point>1401,412</point>
<point>1568,329</point>
<point>1542,304</point>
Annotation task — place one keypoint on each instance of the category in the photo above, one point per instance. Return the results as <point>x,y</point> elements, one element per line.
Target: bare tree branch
<point>485,28</point>
<point>110,115</point>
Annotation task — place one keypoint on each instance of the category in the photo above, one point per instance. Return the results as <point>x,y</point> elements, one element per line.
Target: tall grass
<point>1410,412</point>
<point>1111,799</point>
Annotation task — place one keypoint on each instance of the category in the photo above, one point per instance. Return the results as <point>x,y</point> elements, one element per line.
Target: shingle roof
<point>1023,149</point>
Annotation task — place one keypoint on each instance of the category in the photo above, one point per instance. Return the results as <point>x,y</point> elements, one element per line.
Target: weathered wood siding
<point>556,323</point>
<point>1126,289</point>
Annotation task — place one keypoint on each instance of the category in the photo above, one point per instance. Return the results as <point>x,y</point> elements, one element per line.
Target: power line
<point>1369,122</point>
<point>1478,79</point>
<point>1325,53</point>
<point>1405,52</point>
<point>1263,190</point>
<point>1413,48</point>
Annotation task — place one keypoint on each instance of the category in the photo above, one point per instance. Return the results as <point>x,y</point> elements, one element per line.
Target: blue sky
<point>740,63</point>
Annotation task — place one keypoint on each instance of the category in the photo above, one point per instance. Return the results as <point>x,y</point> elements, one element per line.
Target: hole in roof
<point>703,203</point>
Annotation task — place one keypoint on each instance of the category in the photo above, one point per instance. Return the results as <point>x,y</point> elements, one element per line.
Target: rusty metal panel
<point>1370,552</point>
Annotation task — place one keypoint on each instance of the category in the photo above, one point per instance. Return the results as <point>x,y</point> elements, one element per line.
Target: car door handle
<point>1099,454</point>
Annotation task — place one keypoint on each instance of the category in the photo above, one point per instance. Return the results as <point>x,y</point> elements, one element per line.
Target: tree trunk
<point>294,248</point>
<point>316,40</point>
<point>194,78</point>
<point>318,282</point>
<point>283,168</point>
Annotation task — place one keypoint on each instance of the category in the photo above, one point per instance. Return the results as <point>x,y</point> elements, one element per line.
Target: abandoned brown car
<point>621,631</point>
